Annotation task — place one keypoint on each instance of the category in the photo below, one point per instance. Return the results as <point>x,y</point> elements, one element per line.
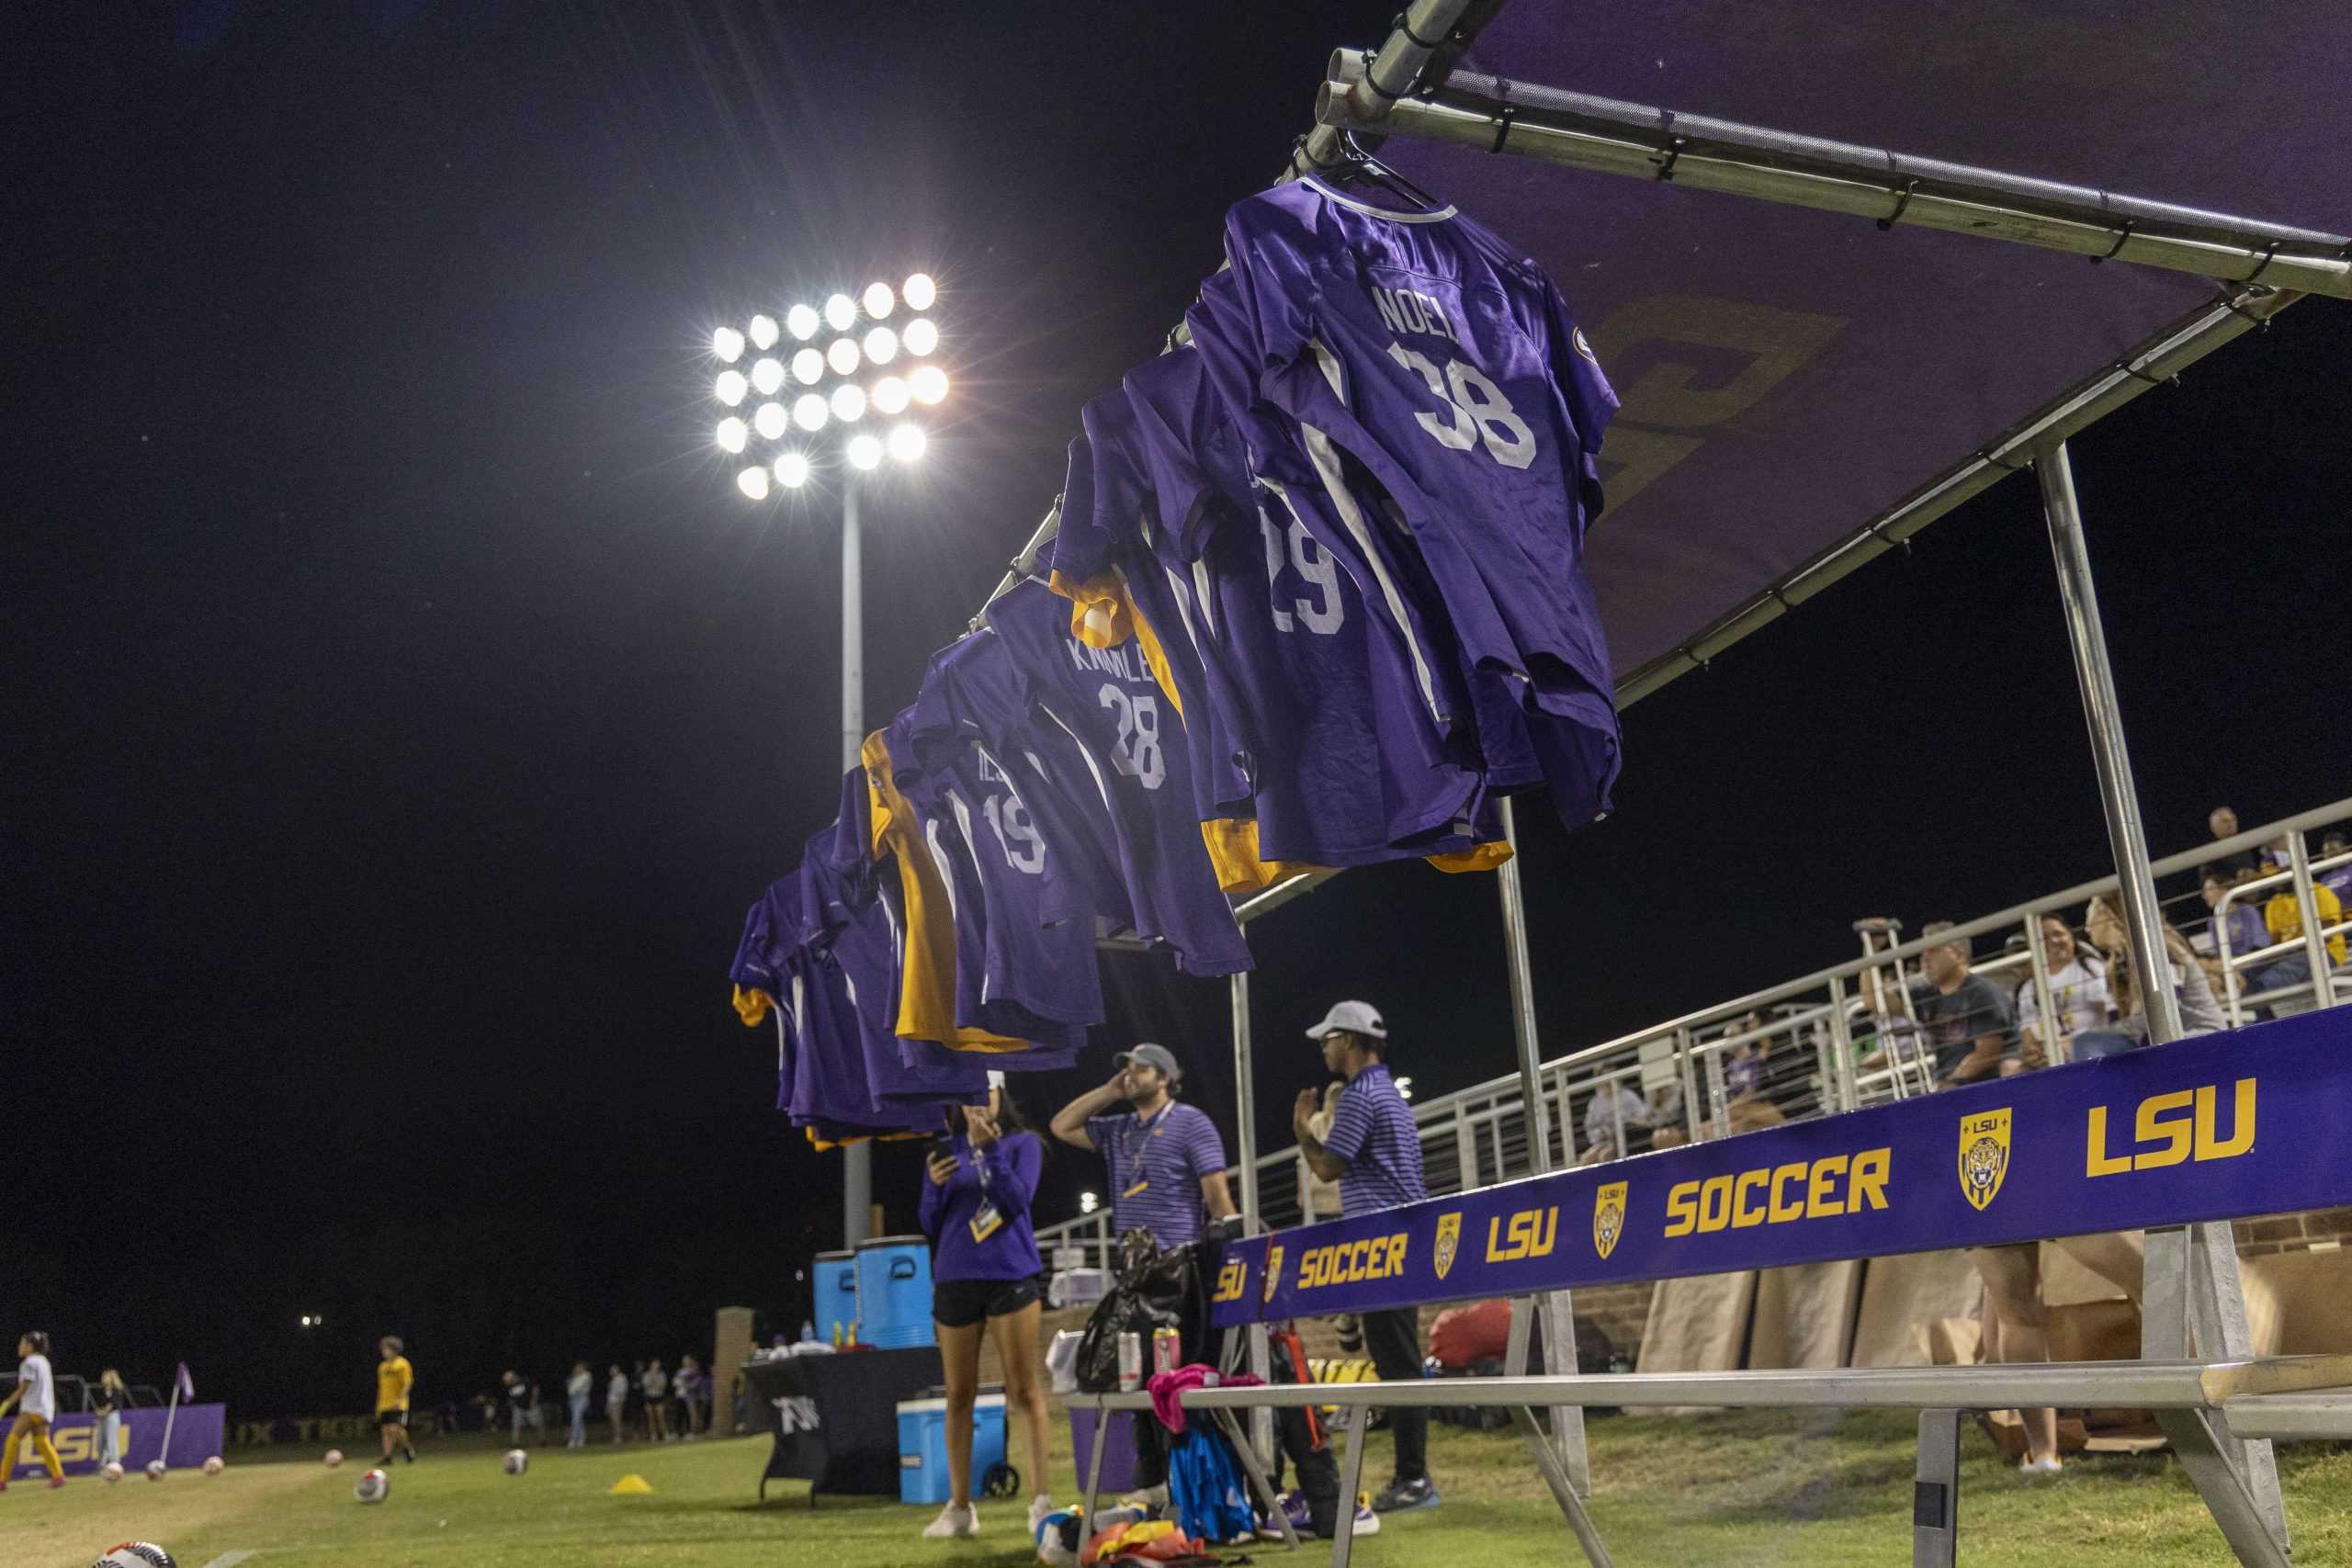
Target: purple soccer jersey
<point>1107,701</point>
<point>950,821</point>
<point>1034,967</point>
<point>1448,365</point>
<point>1347,762</point>
<point>821,1067</point>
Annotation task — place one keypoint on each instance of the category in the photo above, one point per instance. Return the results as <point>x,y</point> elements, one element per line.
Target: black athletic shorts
<point>959,1303</point>
<point>392,1418</point>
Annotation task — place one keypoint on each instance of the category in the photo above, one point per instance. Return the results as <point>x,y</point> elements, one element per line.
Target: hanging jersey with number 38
<point>1428,350</point>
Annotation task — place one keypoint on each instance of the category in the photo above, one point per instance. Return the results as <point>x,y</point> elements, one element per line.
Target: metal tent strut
<point>1611,136</point>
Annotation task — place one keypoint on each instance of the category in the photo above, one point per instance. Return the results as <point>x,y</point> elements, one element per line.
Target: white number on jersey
<point>1025,850</point>
<point>1137,753</point>
<point>1315,564</point>
<point>1476,407</point>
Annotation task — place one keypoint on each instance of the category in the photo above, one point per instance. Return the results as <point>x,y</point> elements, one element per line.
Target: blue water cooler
<point>894,1293</point>
<point>836,1295</point>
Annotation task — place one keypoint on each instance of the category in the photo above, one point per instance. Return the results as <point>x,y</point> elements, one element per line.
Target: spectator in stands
<point>576,1390</point>
<point>2282,918</point>
<point>2200,1013</point>
<point>1970,1023</point>
<point>2241,927</point>
<point>1373,1152</point>
<point>2223,822</point>
<point>1744,1063</point>
<point>1168,1180</point>
<point>2338,881</point>
<point>1616,1122</point>
<point>616,1403</point>
<point>2078,997</point>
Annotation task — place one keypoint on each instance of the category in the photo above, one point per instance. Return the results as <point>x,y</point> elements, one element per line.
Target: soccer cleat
<point>954,1524</point>
<point>1404,1496</point>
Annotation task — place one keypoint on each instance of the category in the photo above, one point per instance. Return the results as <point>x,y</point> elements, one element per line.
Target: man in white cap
<point>1373,1152</point>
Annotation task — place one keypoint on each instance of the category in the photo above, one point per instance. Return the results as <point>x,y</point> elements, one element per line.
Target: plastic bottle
<point>807,1332</point>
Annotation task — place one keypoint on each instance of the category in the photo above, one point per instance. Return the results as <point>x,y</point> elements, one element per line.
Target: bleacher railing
<point>1805,1048</point>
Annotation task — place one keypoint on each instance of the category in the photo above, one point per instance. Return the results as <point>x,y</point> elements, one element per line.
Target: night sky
<point>404,706</point>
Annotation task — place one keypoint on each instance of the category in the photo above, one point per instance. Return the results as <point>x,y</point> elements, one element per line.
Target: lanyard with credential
<point>1145,1133</point>
<point>986,1221</point>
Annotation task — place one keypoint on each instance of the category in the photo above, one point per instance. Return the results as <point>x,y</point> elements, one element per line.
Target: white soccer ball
<point>154,1469</point>
<point>517,1461</point>
<point>136,1554</point>
<point>215,1465</point>
<point>374,1486</point>
<point>111,1473</point>
<point>335,1457</point>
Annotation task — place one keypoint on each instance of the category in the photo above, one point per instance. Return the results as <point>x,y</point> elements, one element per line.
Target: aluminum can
<point>1167,1345</point>
<point>1130,1361</point>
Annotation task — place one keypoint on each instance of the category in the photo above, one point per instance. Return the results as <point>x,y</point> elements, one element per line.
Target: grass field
<point>1673,1493</point>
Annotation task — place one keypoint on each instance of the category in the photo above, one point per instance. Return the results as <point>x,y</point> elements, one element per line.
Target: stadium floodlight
<point>1088,1202</point>
<point>784,379</point>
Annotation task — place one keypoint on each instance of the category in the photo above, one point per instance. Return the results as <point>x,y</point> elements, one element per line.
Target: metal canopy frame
<point>2195,1306</point>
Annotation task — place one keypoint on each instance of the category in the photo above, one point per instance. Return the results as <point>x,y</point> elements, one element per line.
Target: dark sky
<point>404,707</point>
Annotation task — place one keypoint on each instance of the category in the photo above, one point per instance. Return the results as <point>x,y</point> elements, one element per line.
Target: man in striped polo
<point>1373,1152</point>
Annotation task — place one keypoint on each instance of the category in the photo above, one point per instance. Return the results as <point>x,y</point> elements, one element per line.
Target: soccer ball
<point>1058,1539</point>
<point>136,1554</point>
<point>214,1465</point>
<point>112,1472</point>
<point>154,1469</point>
<point>335,1457</point>
<point>517,1461</point>
<point>374,1487</point>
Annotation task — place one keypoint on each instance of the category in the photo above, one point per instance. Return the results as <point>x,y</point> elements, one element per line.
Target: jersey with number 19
<point>1447,364</point>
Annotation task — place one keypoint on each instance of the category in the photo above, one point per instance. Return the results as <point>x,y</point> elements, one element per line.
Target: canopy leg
<point>2193,1305</point>
<point>1935,1493</point>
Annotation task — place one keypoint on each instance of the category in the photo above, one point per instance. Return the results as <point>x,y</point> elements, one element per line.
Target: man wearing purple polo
<point>1373,1152</point>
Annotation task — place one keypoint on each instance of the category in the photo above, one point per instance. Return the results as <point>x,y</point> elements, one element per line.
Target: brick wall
<point>2292,1232</point>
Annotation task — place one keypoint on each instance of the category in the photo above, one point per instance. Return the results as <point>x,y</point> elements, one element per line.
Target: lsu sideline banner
<point>195,1437</point>
<point>2254,1121</point>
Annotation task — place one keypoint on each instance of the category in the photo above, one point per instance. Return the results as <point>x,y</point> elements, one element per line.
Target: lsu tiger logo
<point>1449,1243</point>
<point>1273,1273</point>
<point>1607,1217</point>
<point>1983,1154</point>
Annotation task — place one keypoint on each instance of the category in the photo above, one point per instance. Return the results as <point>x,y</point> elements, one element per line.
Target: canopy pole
<point>1557,1307</point>
<point>1393,72</point>
<point>1245,1115</point>
<point>857,1160</point>
<point>2193,1300</point>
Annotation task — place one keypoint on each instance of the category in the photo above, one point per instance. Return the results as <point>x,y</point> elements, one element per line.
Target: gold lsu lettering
<point>1229,1280</point>
<point>1531,1233</point>
<point>1780,1194</point>
<point>1375,1258</point>
<point>2174,1129</point>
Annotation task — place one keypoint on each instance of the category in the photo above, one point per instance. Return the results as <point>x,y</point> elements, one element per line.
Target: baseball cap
<point>1356,1018</point>
<point>1150,1055</point>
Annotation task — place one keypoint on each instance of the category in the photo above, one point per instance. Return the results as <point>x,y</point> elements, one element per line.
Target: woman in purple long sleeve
<point>984,1271</point>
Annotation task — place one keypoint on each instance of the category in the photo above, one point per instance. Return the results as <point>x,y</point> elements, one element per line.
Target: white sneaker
<point>954,1524</point>
<point>2048,1464</point>
<point>1039,1506</point>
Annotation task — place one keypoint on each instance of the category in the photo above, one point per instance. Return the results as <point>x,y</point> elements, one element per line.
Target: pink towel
<point>1168,1387</point>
